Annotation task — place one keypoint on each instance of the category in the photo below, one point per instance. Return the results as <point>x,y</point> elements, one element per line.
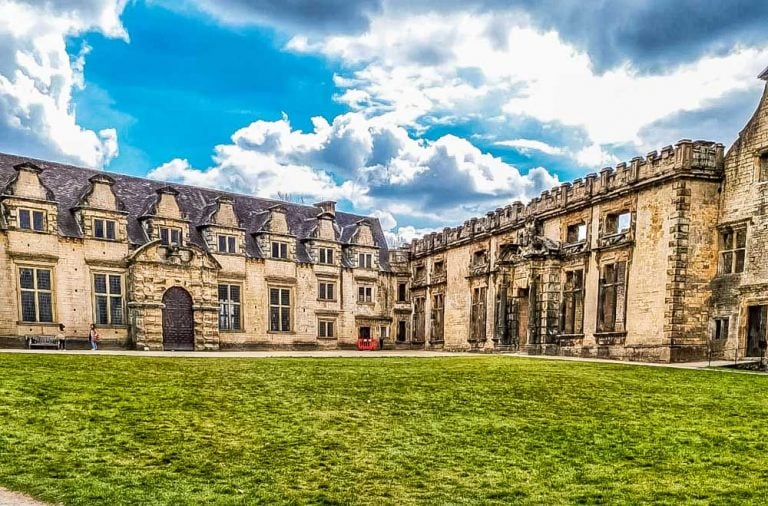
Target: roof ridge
<point>159,181</point>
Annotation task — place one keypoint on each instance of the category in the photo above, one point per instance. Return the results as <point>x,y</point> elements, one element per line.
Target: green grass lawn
<point>475,430</point>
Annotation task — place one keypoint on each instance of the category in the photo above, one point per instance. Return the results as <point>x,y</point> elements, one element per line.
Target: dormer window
<point>227,244</point>
<point>30,219</point>
<point>170,236</point>
<point>365,261</point>
<point>325,255</point>
<point>103,229</point>
<point>576,233</point>
<point>617,223</point>
<point>279,250</point>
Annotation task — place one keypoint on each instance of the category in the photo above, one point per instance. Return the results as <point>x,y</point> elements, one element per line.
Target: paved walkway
<point>362,354</point>
<point>8,498</point>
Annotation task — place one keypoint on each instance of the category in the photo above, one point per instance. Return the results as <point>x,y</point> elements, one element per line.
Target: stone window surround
<point>581,290</point>
<point>322,328</point>
<point>109,272</point>
<point>367,298</point>
<point>616,284</point>
<point>230,284</point>
<point>569,226</point>
<point>105,229</point>
<point>230,244</point>
<point>720,328</point>
<point>733,228</point>
<point>323,255</point>
<point>36,265</point>
<point>32,211</point>
<point>291,308</point>
<point>322,293</point>
<point>761,166</point>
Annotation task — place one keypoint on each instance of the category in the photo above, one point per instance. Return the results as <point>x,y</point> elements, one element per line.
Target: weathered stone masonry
<point>663,258</point>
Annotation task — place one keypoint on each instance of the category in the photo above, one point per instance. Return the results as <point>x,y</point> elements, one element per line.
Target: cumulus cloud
<point>372,164</point>
<point>487,69</point>
<point>303,15</point>
<point>528,145</point>
<point>38,76</point>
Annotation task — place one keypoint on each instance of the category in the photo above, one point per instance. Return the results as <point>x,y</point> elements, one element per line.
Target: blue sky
<point>422,113</point>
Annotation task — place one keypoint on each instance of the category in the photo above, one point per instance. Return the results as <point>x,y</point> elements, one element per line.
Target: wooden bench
<point>45,342</point>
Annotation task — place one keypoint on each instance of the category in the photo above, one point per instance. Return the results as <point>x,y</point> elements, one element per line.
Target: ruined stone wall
<point>743,203</point>
<point>662,266</point>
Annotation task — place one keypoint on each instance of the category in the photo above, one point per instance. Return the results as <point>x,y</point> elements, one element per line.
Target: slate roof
<point>68,183</point>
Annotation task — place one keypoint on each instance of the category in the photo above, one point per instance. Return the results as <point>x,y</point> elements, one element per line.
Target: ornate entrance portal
<point>178,320</point>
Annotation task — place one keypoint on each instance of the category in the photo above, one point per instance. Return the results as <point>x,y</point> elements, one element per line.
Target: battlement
<point>701,158</point>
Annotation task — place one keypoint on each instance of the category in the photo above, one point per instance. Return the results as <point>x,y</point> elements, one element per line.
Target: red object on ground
<point>367,344</point>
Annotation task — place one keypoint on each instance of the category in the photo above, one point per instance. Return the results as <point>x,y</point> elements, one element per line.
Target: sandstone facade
<point>662,258</point>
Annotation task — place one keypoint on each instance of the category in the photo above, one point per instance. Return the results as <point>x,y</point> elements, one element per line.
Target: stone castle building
<point>662,258</point>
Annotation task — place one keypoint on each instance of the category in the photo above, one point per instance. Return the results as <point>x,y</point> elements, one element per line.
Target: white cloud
<point>371,163</point>
<point>415,68</point>
<point>528,145</point>
<point>38,76</point>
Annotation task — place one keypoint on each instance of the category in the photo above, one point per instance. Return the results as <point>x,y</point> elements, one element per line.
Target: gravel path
<point>8,498</point>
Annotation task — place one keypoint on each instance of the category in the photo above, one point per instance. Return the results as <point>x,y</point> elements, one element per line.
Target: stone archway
<point>178,320</point>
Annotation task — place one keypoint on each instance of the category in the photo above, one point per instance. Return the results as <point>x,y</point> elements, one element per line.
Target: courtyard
<point>102,429</point>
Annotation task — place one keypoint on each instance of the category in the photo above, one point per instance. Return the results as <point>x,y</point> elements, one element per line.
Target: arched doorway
<point>178,320</point>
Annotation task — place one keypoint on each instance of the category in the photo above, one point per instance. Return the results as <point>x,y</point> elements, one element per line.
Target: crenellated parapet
<point>692,158</point>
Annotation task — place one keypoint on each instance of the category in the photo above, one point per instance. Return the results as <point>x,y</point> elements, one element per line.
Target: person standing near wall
<point>94,337</point>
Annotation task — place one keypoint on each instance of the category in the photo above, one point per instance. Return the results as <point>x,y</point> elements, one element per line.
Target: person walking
<point>94,337</point>
<point>61,337</point>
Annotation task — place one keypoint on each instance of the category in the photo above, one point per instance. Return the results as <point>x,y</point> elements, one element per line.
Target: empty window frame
<point>763,167</point>
<point>279,250</point>
<point>326,328</point>
<point>438,313</point>
<point>36,295</point>
<point>108,299</point>
<point>402,331</point>
<point>326,290</point>
<point>280,309</point>
<point>230,313</point>
<point>325,256</point>
<point>31,219</point>
<point>104,229</point>
<point>720,329</point>
<point>611,298</point>
<point>479,258</point>
<point>573,303</point>
<point>617,223</point>
<point>365,260</point>
<point>733,249</point>
<point>478,314</point>
<point>170,236</point>
<point>418,319</point>
<point>365,294</point>
<point>402,292</point>
<point>227,243</point>
<point>576,232</point>
<point>438,269</point>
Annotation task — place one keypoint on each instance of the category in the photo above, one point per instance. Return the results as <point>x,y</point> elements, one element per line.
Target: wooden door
<point>178,320</point>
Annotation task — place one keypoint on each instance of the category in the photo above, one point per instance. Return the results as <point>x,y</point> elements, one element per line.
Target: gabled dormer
<point>27,204</point>
<point>165,219</point>
<point>322,245</point>
<point>274,237</point>
<point>221,228</point>
<point>363,253</point>
<point>100,213</point>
